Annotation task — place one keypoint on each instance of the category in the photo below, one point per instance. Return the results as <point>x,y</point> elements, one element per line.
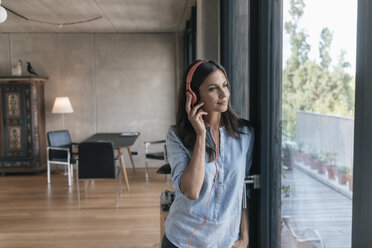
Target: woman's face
<point>214,92</point>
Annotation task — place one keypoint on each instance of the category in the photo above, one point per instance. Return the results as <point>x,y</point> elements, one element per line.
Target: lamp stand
<point>63,121</point>
<point>65,173</point>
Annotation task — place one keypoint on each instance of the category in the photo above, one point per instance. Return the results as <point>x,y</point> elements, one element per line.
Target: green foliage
<point>323,157</point>
<point>343,169</point>
<point>300,146</point>
<point>331,159</point>
<point>324,46</point>
<point>286,151</point>
<point>310,86</point>
<point>286,189</point>
<point>314,155</point>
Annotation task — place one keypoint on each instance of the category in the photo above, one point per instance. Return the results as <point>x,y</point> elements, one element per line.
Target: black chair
<point>97,161</point>
<point>164,169</point>
<point>59,151</point>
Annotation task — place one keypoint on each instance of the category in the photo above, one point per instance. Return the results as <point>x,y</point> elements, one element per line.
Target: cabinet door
<point>17,135</point>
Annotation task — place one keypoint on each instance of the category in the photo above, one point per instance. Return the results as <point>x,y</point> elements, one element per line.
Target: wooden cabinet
<point>22,125</point>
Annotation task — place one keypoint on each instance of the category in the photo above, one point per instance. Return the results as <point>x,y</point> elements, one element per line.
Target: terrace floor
<point>317,206</point>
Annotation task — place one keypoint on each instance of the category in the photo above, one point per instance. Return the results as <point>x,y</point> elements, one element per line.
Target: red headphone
<point>190,74</point>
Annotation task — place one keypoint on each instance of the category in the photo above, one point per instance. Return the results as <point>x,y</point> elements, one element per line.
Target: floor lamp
<point>62,105</point>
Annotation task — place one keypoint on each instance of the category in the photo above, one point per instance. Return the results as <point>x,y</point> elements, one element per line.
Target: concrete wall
<point>208,29</point>
<point>116,82</point>
<point>180,63</point>
<point>239,58</point>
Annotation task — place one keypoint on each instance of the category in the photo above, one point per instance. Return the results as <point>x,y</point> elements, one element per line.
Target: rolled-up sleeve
<point>249,158</point>
<point>178,157</point>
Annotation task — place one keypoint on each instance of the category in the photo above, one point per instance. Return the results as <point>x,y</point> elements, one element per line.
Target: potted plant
<point>299,156</point>
<point>342,172</point>
<point>331,165</point>
<point>322,163</point>
<point>285,193</point>
<point>306,158</point>
<point>314,160</point>
<point>287,158</point>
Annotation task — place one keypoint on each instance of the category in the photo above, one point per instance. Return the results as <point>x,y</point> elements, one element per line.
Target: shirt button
<point>220,182</point>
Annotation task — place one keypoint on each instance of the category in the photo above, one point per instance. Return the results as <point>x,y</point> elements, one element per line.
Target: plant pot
<point>350,180</point>
<point>342,178</point>
<point>331,172</point>
<point>314,164</point>
<point>281,225</point>
<point>300,157</point>
<point>289,162</point>
<point>322,167</point>
<point>304,158</point>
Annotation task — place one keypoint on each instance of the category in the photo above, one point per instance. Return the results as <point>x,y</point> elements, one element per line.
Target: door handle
<point>253,179</point>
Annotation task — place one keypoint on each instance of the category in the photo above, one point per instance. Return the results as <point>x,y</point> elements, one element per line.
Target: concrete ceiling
<point>119,16</point>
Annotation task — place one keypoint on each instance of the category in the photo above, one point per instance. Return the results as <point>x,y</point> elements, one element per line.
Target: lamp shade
<point>62,105</point>
<point>3,14</point>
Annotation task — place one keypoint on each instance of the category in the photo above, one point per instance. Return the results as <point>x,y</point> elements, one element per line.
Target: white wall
<point>116,82</point>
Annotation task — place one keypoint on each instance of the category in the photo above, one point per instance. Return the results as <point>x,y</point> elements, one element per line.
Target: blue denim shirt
<point>223,224</point>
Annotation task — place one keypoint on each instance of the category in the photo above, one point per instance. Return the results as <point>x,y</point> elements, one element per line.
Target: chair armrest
<point>58,148</point>
<point>154,142</point>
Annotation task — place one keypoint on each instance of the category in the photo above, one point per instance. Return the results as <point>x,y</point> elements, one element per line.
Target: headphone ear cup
<point>194,98</point>
<point>189,79</point>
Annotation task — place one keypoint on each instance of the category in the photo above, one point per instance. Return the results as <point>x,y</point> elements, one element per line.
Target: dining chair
<point>162,155</point>
<point>97,161</point>
<point>60,151</point>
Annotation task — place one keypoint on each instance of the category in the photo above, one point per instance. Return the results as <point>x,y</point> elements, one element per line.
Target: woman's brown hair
<point>229,119</point>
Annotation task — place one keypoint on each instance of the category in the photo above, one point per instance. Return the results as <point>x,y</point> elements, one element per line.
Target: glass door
<point>318,96</point>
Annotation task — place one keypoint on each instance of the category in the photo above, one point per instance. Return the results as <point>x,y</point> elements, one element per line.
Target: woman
<point>210,152</point>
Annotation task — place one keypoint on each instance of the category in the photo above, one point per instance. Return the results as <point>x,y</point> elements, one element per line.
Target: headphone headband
<point>190,74</point>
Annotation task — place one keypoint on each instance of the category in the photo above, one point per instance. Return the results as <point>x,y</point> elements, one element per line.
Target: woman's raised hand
<point>195,116</point>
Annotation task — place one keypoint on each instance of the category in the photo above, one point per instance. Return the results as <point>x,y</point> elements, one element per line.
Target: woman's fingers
<point>196,108</point>
<point>195,115</point>
<point>188,104</point>
<point>200,113</point>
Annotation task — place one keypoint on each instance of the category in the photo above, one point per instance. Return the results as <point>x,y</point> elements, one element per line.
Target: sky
<point>340,16</point>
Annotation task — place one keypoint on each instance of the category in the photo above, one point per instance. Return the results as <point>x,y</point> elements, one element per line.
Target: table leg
<point>131,159</point>
<point>123,167</point>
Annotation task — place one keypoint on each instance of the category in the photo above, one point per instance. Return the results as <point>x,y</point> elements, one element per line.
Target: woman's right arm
<point>193,176</point>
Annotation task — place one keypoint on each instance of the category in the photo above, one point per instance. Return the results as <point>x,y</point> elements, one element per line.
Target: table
<point>120,141</point>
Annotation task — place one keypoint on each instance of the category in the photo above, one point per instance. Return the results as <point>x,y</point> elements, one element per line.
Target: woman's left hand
<point>240,244</point>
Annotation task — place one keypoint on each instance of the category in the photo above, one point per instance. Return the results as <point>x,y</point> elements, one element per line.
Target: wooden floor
<point>35,215</point>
